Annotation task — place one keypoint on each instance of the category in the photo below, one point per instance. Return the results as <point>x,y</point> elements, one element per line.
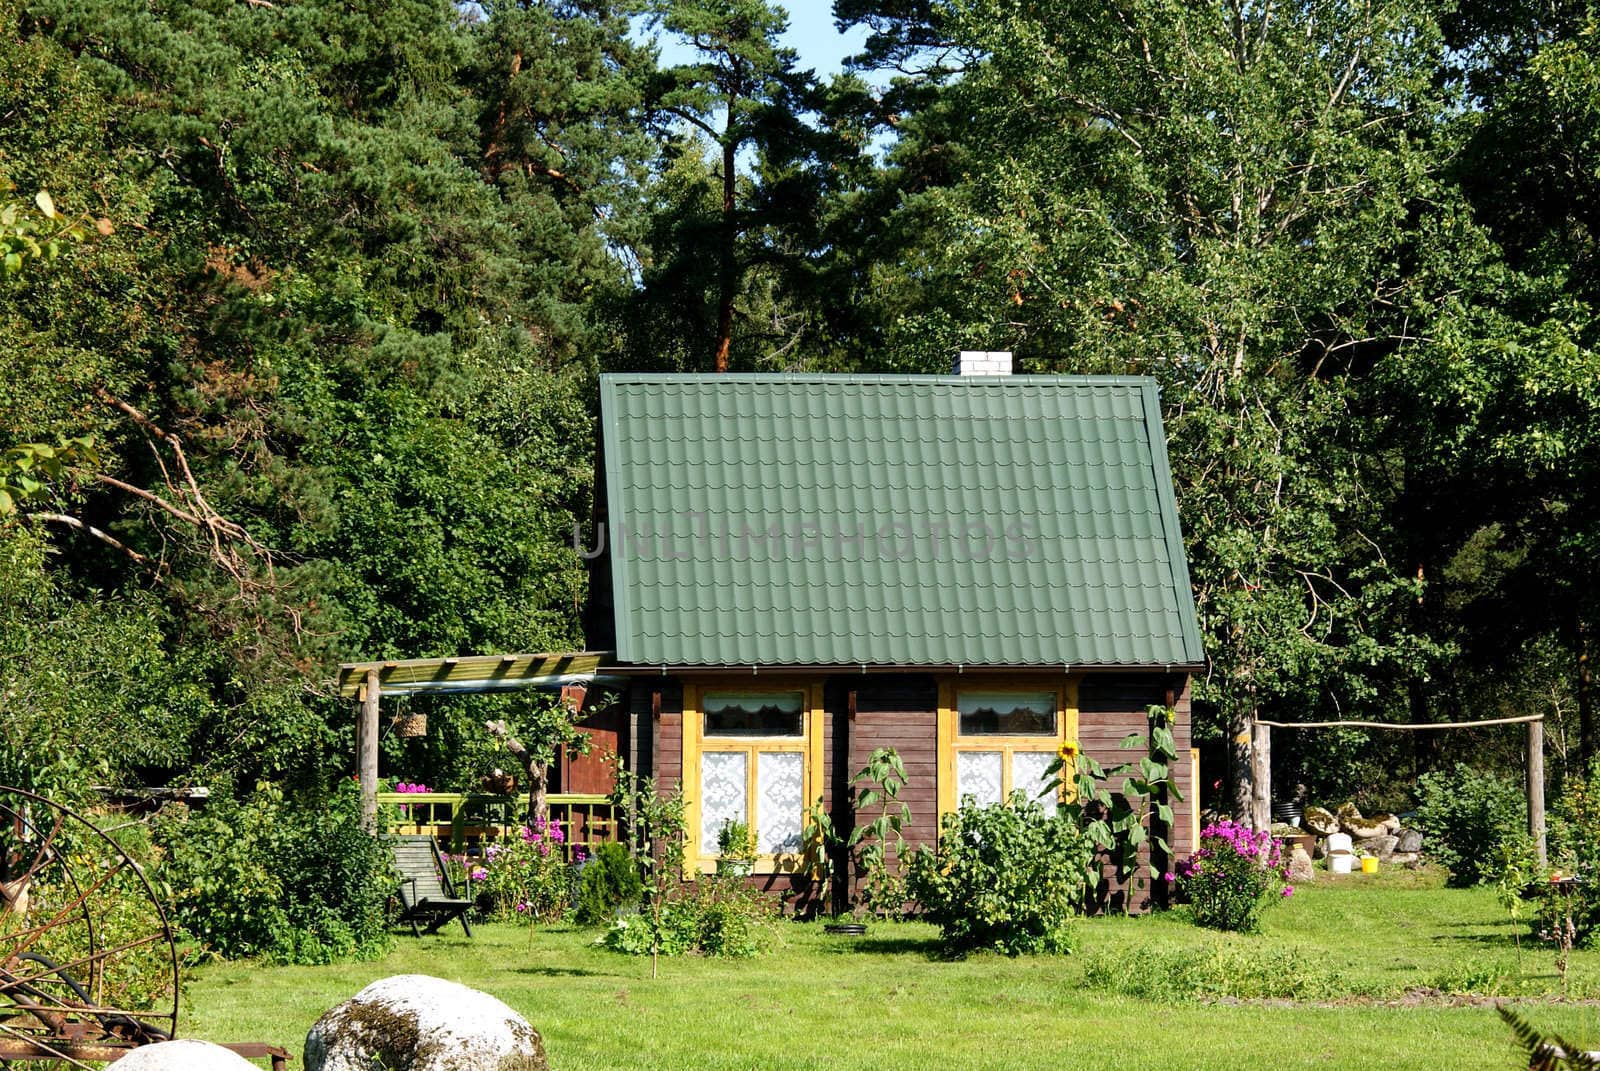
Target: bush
<point>715,917</point>
<point>1574,850</point>
<point>609,880</point>
<point>1231,876</point>
<point>1004,877</point>
<point>1463,815</point>
<point>528,876</point>
<point>293,882</point>
<point>1221,973</point>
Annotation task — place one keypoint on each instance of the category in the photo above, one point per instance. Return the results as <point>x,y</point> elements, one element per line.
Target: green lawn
<point>887,1002</point>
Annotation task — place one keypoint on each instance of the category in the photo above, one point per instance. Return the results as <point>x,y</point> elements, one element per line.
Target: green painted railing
<point>461,818</point>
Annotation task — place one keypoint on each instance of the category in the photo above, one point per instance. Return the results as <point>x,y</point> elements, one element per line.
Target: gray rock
<point>421,1023</point>
<point>185,1054</point>
<point>1301,868</point>
<point>1406,859</point>
<point>1320,821</point>
<point>1381,846</point>
<point>1410,840</point>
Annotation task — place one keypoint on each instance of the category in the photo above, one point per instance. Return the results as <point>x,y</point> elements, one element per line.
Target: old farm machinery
<point>88,966</point>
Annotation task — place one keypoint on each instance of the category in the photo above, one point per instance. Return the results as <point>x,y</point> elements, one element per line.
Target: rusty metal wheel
<point>88,967</point>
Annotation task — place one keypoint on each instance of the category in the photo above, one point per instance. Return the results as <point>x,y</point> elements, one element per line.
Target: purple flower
<point>478,873</point>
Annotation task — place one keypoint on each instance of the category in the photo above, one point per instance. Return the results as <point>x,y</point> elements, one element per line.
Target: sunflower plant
<point>1137,817</point>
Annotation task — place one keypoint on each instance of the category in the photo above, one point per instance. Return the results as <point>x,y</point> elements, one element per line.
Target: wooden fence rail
<point>462,818</point>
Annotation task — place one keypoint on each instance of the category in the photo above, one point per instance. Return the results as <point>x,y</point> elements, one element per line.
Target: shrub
<point>528,875</point>
<point>1221,973</point>
<point>1574,849</point>
<point>264,877</point>
<point>1232,875</point>
<point>1463,815</point>
<point>609,880</point>
<point>1003,877</point>
<point>715,917</point>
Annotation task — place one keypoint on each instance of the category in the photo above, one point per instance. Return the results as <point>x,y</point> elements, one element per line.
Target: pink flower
<point>1169,876</point>
<point>478,873</point>
<point>522,907</point>
<point>1288,890</point>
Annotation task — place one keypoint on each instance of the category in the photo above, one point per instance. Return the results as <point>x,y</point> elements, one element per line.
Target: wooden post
<point>1261,777</point>
<point>1536,787</point>
<point>367,751</point>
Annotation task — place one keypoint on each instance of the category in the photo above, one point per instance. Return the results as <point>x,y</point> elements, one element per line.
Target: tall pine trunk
<point>727,275</point>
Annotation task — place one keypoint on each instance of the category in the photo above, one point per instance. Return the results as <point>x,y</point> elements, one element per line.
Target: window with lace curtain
<point>750,759</point>
<point>996,741</point>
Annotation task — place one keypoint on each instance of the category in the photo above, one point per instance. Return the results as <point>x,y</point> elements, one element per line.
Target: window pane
<point>780,800</point>
<point>759,714</point>
<point>1007,713</point>
<point>1027,776</point>
<point>722,794</point>
<point>978,776</point>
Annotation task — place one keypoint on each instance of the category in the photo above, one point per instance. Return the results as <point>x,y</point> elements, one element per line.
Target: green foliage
<point>291,880</point>
<point>715,917</point>
<point>528,876</point>
<point>1464,814</point>
<point>1220,972</point>
<point>883,885</point>
<point>609,881</point>
<point>735,842</point>
<point>1136,820</point>
<point>1003,878</point>
<point>658,830</point>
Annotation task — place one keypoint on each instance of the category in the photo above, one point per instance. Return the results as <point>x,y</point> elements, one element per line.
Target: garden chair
<point>425,892</point>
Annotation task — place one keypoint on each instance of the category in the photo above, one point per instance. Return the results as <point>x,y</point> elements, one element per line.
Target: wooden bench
<point>425,892</point>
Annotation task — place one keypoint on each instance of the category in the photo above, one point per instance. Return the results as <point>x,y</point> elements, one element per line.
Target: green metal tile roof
<point>893,520</point>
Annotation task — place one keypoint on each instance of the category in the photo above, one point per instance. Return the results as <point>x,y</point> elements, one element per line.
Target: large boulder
<point>1320,821</point>
<point>1407,859</point>
<point>420,1023</point>
<point>1348,812</point>
<point>1410,840</point>
<point>183,1055</point>
<point>1377,825</point>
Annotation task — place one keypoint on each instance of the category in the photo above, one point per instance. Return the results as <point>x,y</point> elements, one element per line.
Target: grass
<point>1362,947</point>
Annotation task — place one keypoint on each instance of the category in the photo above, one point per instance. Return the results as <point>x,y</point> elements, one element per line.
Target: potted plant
<point>736,849</point>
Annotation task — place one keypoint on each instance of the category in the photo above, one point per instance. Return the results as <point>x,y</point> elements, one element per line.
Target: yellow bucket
<point>1369,864</point>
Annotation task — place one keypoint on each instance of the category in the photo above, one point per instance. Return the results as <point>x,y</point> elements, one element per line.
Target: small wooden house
<point>798,569</point>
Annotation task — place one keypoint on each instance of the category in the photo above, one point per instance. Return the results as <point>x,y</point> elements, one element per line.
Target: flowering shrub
<point>1232,875</point>
<point>1003,877</point>
<point>527,876</point>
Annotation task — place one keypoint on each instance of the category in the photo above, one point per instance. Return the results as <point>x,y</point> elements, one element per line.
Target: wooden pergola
<point>369,682</point>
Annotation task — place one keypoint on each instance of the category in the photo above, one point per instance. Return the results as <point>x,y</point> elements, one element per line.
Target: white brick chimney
<point>982,363</point>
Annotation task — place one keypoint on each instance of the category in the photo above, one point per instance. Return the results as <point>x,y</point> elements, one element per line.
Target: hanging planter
<point>407,726</point>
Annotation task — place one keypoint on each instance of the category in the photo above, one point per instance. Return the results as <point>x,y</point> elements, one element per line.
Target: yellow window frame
<point>952,742</point>
<point>702,858</point>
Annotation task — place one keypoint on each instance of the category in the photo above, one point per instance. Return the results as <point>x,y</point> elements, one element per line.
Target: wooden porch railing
<point>461,818</point>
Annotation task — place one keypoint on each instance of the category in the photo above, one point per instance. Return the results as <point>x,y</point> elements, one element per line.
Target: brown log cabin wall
<point>902,712</point>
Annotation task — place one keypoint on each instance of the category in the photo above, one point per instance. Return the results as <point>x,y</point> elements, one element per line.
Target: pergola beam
<point>369,682</point>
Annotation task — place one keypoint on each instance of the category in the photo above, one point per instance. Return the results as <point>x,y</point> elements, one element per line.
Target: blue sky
<point>811,34</point>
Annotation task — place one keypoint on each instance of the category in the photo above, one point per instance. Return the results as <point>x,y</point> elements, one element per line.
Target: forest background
<point>299,348</point>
